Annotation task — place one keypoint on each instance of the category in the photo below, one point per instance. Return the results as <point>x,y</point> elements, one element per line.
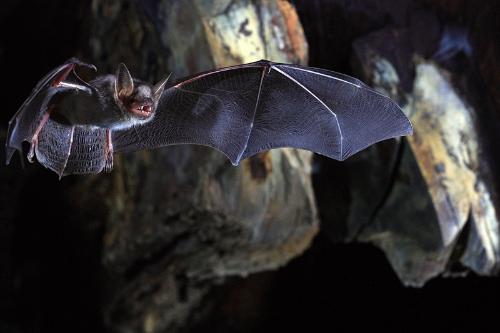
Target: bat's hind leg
<point>57,82</point>
<point>34,138</point>
<point>108,152</point>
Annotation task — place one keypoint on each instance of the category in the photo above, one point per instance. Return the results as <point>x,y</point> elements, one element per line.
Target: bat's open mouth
<point>143,111</point>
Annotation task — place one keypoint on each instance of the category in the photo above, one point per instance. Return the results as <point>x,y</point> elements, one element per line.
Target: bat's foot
<point>34,139</point>
<point>31,152</point>
<point>108,163</point>
<point>108,152</point>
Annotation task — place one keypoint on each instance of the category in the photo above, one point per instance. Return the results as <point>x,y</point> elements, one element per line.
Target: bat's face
<point>140,103</point>
<point>136,98</point>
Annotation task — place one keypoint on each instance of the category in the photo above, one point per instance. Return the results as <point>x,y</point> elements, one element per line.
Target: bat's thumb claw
<point>92,67</point>
<point>89,66</point>
<point>78,62</point>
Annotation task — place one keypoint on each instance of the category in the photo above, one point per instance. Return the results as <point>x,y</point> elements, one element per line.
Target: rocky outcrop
<point>180,218</point>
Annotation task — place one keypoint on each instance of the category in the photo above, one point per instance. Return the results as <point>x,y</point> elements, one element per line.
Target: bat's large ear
<point>124,85</point>
<point>158,88</point>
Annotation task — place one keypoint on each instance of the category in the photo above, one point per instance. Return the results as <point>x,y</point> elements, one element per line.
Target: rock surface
<point>173,239</point>
<point>177,218</point>
<point>449,149</point>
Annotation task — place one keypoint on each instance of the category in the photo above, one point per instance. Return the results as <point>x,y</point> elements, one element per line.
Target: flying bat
<point>74,126</point>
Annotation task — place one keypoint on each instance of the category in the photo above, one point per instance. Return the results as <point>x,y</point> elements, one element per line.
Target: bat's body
<point>89,109</point>
<point>74,127</point>
<point>99,108</point>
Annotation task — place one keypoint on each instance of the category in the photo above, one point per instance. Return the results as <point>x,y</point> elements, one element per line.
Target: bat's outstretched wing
<point>246,109</point>
<point>31,122</point>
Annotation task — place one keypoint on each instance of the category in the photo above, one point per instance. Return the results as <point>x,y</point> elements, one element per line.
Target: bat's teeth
<point>143,112</point>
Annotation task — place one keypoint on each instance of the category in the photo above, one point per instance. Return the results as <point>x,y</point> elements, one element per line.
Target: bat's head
<point>136,98</point>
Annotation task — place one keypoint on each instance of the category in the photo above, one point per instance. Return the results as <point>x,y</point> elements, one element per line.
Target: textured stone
<point>179,218</point>
<point>447,148</point>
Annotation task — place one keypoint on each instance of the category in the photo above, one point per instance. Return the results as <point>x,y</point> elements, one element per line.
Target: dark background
<point>45,285</point>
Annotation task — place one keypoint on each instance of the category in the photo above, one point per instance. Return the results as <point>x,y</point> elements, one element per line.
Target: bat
<point>74,126</point>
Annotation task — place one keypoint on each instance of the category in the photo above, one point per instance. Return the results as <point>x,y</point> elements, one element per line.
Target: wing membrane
<point>246,109</point>
<point>26,120</point>
<point>364,115</point>
<point>216,110</point>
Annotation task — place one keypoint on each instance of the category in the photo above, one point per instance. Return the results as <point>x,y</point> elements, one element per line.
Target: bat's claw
<point>108,164</point>
<point>31,152</point>
<point>78,62</point>
<point>75,82</point>
<point>90,66</point>
<point>108,152</point>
